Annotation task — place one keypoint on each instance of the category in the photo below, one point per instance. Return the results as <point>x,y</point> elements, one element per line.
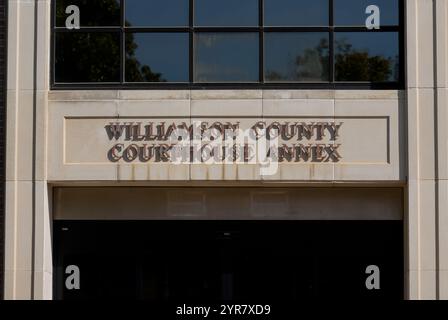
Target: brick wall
<point>3,21</point>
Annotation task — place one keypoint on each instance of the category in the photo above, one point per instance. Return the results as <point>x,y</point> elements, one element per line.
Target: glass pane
<point>91,13</point>
<point>296,13</point>
<point>353,12</point>
<point>367,56</point>
<point>157,57</point>
<point>157,13</point>
<point>296,56</point>
<point>87,57</point>
<point>226,57</point>
<point>226,13</point>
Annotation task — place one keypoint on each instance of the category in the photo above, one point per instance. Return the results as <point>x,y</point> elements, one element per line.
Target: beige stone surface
<point>422,285</point>
<point>18,285</point>
<point>365,140</point>
<point>43,243</point>
<point>11,137</point>
<point>43,286</point>
<point>442,142</point>
<point>233,107</point>
<point>21,117</point>
<point>154,108</point>
<point>368,94</point>
<point>298,107</point>
<point>86,95</point>
<point>298,94</point>
<point>443,225</point>
<point>18,253</point>
<point>427,123</point>
<point>25,45</point>
<point>27,90</point>
<point>428,285</point>
<point>422,132</point>
<point>368,145</point>
<point>428,222</point>
<point>226,94</point>
<point>412,227</point>
<point>229,203</point>
<point>288,172</point>
<point>127,95</point>
<point>443,280</point>
<point>442,43</point>
<point>427,149</point>
<point>421,36</point>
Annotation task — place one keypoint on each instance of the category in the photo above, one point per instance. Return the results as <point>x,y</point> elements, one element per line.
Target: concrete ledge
<point>95,95</point>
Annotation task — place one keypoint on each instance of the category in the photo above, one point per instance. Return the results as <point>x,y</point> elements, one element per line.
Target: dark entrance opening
<point>210,261</point>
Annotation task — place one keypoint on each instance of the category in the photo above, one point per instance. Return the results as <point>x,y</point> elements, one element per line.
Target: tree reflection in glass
<point>87,57</point>
<point>157,57</point>
<point>296,57</point>
<point>135,71</point>
<point>226,57</point>
<point>91,56</point>
<point>94,13</point>
<point>370,57</point>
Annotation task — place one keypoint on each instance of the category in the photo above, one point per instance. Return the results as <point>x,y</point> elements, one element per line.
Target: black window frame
<point>331,29</point>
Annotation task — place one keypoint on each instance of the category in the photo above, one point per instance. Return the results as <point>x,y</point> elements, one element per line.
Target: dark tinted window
<point>353,12</point>
<point>226,13</point>
<point>87,57</point>
<point>226,57</point>
<point>92,12</point>
<point>229,41</point>
<point>296,57</point>
<point>364,56</point>
<point>169,261</point>
<point>156,13</point>
<point>157,57</point>
<point>296,13</point>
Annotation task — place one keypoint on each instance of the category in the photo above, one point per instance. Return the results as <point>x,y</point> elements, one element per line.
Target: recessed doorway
<point>211,261</point>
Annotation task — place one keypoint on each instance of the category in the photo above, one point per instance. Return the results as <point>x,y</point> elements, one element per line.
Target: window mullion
<point>98,27</point>
<point>331,41</point>
<point>122,43</point>
<point>261,44</point>
<point>191,39</point>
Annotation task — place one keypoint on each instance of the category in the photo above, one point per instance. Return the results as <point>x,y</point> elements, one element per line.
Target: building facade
<point>3,33</point>
<point>356,97</point>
